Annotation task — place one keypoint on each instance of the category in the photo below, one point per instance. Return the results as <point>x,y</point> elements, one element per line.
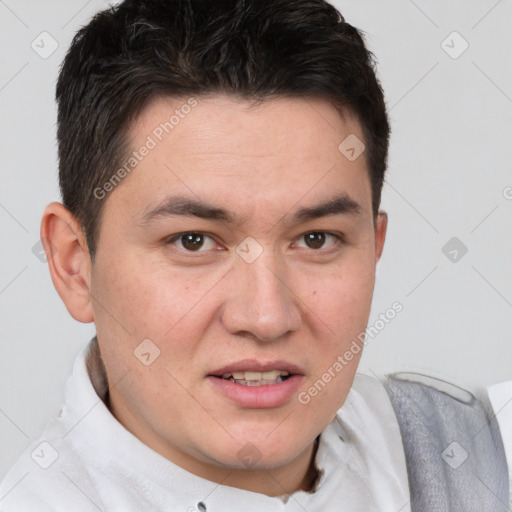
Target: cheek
<point>173,310</point>
<point>343,297</point>
<point>339,307</point>
<point>153,300</point>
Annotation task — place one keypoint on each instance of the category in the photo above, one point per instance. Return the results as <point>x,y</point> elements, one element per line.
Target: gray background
<point>449,176</point>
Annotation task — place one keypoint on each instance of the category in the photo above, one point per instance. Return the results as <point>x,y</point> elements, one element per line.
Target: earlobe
<point>68,260</point>
<point>380,233</point>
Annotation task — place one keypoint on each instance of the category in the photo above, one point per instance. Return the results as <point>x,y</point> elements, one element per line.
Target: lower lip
<point>258,397</point>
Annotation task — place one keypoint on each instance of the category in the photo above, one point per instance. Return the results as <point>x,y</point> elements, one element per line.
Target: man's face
<point>269,285</point>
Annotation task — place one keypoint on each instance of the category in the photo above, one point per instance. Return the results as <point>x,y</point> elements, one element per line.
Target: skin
<point>208,308</point>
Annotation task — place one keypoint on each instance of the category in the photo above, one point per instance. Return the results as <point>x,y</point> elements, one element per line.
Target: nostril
<point>201,507</point>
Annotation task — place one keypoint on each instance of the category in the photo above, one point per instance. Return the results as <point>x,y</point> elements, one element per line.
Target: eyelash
<point>339,240</point>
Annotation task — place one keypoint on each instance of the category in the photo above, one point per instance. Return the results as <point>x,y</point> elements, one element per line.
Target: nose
<point>262,303</point>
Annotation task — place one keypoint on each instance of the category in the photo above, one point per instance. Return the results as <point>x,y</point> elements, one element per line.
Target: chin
<point>263,453</point>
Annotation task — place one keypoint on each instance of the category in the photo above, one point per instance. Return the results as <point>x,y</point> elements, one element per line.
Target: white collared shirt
<point>87,461</point>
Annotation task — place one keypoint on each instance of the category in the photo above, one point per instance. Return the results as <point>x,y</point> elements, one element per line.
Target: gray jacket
<point>453,447</point>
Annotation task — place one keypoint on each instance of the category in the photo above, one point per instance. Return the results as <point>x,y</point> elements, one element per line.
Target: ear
<point>68,259</point>
<point>381,227</point>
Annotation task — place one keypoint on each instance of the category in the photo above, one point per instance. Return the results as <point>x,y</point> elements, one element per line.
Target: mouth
<point>251,378</point>
<point>254,384</point>
<point>250,372</point>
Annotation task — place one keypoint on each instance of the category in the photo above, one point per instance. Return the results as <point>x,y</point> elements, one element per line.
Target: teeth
<point>251,376</point>
<point>256,376</point>
<point>258,382</point>
<point>271,375</point>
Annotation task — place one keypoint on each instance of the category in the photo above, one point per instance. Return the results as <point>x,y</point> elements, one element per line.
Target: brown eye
<point>315,240</point>
<point>192,241</point>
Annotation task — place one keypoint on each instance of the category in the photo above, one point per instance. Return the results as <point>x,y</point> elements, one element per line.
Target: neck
<point>300,474</point>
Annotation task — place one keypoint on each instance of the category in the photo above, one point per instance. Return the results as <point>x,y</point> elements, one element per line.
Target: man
<point>221,166</point>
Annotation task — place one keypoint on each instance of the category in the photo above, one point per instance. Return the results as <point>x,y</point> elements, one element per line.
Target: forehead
<point>226,148</point>
<point>301,125</point>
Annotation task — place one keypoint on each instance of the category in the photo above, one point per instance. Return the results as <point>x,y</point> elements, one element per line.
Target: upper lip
<point>252,365</point>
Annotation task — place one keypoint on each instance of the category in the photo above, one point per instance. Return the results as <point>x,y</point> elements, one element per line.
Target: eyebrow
<point>185,206</point>
<point>338,205</point>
